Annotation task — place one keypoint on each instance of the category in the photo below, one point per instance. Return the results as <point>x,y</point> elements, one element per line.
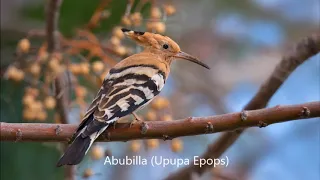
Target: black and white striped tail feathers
<point>124,91</point>
<point>88,131</point>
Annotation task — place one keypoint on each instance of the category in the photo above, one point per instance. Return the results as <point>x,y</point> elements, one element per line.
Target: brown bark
<point>165,129</point>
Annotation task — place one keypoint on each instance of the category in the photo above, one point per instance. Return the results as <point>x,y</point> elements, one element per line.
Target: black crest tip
<point>139,33</point>
<point>125,30</point>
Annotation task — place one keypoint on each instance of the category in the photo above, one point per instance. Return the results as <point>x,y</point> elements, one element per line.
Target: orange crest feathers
<point>148,39</point>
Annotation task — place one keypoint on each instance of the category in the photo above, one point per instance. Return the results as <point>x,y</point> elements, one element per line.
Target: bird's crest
<point>148,39</point>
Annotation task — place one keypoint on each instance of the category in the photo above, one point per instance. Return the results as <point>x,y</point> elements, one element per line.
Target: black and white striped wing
<point>122,100</point>
<point>123,92</point>
<point>132,88</point>
<point>126,98</point>
<point>88,117</point>
<point>105,89</point>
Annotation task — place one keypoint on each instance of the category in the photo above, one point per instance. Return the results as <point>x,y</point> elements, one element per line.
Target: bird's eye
<point>165,46</point>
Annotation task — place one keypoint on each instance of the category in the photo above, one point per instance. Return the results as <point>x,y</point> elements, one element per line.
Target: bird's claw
<point>136,120</point>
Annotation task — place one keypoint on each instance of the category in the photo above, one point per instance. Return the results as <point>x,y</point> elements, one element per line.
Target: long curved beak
<point>183,55</point>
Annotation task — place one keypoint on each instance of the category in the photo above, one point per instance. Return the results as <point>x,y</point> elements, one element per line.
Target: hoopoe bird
<point>130,85</point>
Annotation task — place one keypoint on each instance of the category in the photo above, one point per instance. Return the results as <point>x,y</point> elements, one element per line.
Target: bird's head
<point>161,45</point>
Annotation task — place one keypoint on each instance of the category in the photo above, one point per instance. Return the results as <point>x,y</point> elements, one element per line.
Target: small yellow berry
<point>35,69</point>
<point>150,26</point>
<point>27,100</point>
<point>58,56</point>
<point>153,143</point>
<point>11,71</point>
<point>135,146</point>
<point>43,56</point>
<point>19,75</point>
<point>84,68</point>
<point>97,152</point>
<point>50,102</point>
<point>24,45</point>
<point>28,114</point>
<point>160,103</point>
<point>97,66</point>
<point>54,64</point>
<point>81,92</point>
<point>155,12</point>
<point>37,106</point>
<point>87,173</point>
<point>151,115</point>
<point>160,27</point>
<point>126,21</point>
<point>136,18</point>
<point>118,32</point>
<point>176,145</point>
<point>167,117</point>
<point>41,116</point>
<point>15,74</point>
<point>75,69</point>
<point>121,50</point>
<point>169,9</point>
<point>114,40</point>
<point>48,78</point>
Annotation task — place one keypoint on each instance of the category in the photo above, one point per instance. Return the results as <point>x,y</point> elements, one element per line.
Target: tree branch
<point>165,129</point>
<point>53,7</point>
<point>53,41</point>
<point>304,49</point>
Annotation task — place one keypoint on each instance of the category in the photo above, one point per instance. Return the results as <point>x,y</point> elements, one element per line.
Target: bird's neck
<point>146,58</point>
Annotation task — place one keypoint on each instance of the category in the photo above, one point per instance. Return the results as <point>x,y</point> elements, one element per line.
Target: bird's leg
<point>136,118</point>
<point>114,124</point>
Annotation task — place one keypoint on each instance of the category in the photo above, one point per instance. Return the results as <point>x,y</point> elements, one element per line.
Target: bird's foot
<point>136,119</point>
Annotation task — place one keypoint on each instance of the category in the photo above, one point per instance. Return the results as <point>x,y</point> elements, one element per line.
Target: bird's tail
<point>76,151</point>
<point>87,132</point>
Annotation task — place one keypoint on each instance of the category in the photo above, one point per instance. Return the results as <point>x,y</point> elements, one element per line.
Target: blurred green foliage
<point>23,160</point>
<point>76,14</point>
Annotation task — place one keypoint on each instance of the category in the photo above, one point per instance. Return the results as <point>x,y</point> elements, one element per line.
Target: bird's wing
<point>123,91</point>
<point>104,90</point>
<point>120,96</point>
<point>88,117</point>
<point>132,87</point>
<point>125,95</point>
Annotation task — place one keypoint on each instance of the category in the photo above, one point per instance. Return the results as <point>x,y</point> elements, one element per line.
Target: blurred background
<point>242,41</point>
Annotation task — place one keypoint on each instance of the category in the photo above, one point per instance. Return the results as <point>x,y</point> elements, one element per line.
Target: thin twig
<point>96,17</point>
<point>52,25</point>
